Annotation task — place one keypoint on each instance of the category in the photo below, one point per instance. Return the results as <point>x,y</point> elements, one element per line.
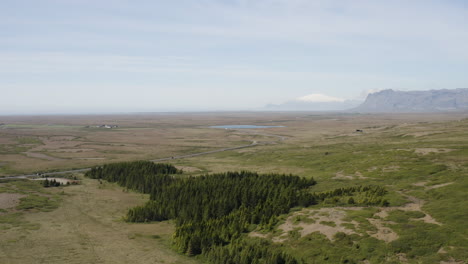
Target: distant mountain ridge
<point>314,106</point>
<point>390,101</point>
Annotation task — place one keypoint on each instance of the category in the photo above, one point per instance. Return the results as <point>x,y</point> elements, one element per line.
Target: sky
<point>87,56</point>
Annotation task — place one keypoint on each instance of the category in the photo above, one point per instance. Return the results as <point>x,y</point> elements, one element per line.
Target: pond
<point>242,126</point>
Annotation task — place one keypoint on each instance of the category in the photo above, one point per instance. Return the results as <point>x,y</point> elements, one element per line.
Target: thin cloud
<point>270,50</point>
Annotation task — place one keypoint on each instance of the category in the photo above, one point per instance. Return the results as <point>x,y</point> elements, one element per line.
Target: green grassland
<point>395,157</point>
<point>419,157</point>
<point>79,224</point>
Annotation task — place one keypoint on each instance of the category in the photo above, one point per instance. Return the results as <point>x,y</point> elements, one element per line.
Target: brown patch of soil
<point>414,205</point>
<point>438,185</point>
<point>420,184</point>
<point>383,233</point>
<point>360,176</point>
<point>336,216</point>
<point>425,151</point>
<point>357,175</point>
<point>319,216</point>
<point>402,257</point>
<point>423,133</point>
<point>9,200</point>
<point>257,234</point>
<point>441,251</point>
<point>339,175</point>
<point>188,168</point>
<point>391,168</point>
<point>452,261</point>
<point>424,183</point>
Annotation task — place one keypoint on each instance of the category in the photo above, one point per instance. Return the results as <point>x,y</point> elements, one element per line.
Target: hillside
<point>389,101</point>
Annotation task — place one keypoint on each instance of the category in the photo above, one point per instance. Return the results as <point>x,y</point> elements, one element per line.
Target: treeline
<point>249,252</point>
<point>140,176</point>
<point>52,183</point>
<point>211,212</point>
<point>356,195</point>
<point>214,210</point>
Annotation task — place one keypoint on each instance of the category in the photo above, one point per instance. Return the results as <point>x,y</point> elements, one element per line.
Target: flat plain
<point>421,160</point>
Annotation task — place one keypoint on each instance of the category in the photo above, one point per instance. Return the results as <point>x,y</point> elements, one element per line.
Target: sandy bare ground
<point>341,176</point>
<point>383,233</point>
<point>391,168</point>
<point>439,185</point>
<point>420,184</point>
<point>318,220</point>
<point>61,180</point>
<point>425,151</point>
<point>402,257</point>
<point>424,183</point>
<point>452,261</point>
<point>9,200</point>
<point>188,168</point>
<point>257,234</point>
<point>414,205</point>
<point>387,234</point>
<point>423,133</point>
<point>442,251</point>
<point>319,217</point>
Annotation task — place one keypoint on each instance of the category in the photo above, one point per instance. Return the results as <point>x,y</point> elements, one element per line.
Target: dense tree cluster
<point>358,195</point>
<point>249,252</point>
<point>215,209</point>
<point>140,176</point>
<point>212,211</point>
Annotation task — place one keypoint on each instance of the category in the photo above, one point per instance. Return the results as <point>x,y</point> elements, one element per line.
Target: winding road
<point>253,144</point>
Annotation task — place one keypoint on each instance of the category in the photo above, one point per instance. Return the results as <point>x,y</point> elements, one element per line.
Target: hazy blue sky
<point>113,55</point>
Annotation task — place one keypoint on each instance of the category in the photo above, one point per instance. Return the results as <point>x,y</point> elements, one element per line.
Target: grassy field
<point>36,144</point>
<point>421,160</point>
<point>80,224</point>
<point>424,161</point>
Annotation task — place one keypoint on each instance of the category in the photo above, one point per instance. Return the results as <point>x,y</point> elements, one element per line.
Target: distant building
<point>106,126</point>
